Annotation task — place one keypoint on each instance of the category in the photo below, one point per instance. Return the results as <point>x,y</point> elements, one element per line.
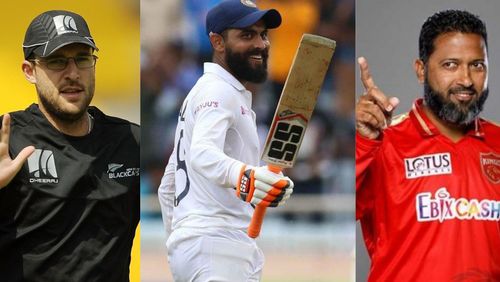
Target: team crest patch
<point>490,164</point>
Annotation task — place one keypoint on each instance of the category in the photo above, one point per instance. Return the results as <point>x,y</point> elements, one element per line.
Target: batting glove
<point>262,187</point>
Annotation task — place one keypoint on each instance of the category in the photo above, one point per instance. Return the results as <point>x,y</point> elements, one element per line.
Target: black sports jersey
<point>70,214</point>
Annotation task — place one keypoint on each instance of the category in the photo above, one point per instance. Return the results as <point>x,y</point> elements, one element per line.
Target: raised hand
<point>10,167</point>
<point>373,109</point>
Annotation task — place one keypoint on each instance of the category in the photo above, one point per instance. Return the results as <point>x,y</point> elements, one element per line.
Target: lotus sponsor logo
<point>444,207</point>
<point>427,165</point>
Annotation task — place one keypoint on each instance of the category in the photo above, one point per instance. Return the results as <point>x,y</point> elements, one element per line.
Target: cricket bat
<point>294,109</point>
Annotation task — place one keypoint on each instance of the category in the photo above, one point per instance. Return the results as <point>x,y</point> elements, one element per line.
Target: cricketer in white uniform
<point>212,181</point>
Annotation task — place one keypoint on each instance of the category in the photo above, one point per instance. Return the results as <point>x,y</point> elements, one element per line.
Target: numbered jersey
<point>216,135</point>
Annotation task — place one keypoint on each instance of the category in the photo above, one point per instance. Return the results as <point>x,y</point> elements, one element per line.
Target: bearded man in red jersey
<point>428,181</point>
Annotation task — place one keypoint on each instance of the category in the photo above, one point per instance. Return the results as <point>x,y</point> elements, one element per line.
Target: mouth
<point>257,58</point>
<point>463,96</point>
<point>71,93</point>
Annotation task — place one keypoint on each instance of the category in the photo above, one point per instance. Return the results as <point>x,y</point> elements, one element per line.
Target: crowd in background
<point>174,46</point>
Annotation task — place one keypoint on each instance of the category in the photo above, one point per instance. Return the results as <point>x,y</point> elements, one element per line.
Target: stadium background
<point>114,24</point>
<point>311,238</point>
<point>387,35</point>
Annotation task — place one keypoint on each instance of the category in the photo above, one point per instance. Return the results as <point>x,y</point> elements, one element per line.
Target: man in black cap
<point>69,200</point>
<point>213,179</point>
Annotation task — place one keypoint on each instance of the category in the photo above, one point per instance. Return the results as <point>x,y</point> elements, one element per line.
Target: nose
<point>465,79</point>
<point>72,72</point>
<point>261,43</point>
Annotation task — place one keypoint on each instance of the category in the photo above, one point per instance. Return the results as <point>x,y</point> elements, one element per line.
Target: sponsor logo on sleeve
<point>206,104</point>
<point>490,164</point>
<point>443,207</point>
<point>427,165</point>
<point>42,167</point>
<point>117,171</point>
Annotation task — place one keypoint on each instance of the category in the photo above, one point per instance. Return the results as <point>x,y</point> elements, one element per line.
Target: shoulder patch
<point>399,119</point>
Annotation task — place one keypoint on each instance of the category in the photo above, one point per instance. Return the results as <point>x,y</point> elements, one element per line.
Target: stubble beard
<point>241,67</point>
<point>53,108</point>
<point>451,112</point>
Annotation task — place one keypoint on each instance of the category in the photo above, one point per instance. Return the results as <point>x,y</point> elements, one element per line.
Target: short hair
<point>444,22</point>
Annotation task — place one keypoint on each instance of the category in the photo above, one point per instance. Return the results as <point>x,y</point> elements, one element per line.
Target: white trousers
<point>221,256</point>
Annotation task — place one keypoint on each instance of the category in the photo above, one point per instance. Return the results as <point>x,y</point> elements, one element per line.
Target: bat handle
<point>260,212</point>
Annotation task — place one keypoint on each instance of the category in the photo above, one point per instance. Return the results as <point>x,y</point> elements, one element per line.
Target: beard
<point>447,110</point>
<point>52,106</point>
<point>241,67</point>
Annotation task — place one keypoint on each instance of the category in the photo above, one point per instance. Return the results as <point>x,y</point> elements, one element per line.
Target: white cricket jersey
<point>216,134</point>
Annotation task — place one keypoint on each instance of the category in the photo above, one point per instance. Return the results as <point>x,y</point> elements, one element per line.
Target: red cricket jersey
<point>430,208</point>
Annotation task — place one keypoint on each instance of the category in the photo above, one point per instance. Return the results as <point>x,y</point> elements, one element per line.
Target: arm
<point>209,160</point>
<point>166,195</point>
<point>373,115</point>
<point>10,167</point>
<point>207,147</point>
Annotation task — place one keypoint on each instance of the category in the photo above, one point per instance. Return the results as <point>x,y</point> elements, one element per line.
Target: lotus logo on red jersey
<point>444,207</point>
<point>427,165</point>
<point>490,164</point>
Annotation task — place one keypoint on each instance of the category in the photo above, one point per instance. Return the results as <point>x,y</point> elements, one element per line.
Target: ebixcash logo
<point>427,165</point>
<point>42,167</point>
<point>116,171</point>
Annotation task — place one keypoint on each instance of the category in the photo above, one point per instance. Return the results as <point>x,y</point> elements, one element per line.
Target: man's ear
<point>217,42</point>
<point>29,71</point>
<point>419,67</point>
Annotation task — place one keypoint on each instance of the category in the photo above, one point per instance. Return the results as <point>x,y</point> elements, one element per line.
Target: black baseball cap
<point>52,30</point>
<point>239,14</point>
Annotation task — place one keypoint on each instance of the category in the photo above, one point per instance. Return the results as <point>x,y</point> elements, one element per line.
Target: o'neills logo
<point>427,165</point>
<point>490,164</point>
<point>444,207</point>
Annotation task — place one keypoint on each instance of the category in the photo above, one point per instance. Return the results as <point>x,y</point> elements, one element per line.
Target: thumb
<point>393,103</point>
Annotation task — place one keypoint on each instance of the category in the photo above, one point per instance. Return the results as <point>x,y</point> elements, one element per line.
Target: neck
<point>454,132</point>
<point>79,127</point>
<point>218,59</point>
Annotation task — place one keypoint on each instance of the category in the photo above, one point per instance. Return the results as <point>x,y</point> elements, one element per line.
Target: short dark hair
<point>444,22</point>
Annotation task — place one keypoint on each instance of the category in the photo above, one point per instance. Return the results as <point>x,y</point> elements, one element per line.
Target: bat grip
<point>260,212</point>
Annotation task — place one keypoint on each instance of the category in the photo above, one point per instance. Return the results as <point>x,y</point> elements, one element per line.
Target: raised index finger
<point>366,76</point>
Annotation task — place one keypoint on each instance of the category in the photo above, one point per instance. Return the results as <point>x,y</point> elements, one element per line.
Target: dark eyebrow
<point>248,30</point>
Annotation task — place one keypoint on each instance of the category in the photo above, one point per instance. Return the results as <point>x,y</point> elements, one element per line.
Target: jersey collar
<point>224,74</point>
<point>427,129</point>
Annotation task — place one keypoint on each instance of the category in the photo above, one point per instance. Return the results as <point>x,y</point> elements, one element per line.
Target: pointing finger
<point>366,77</point>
